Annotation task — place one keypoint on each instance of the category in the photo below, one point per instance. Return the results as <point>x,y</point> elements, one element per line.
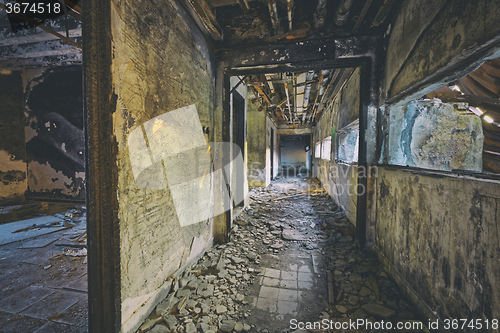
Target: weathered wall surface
<point>438,234</point>
<point>429,35</point>
<point>430,134</point>
<point>340,179</point>
<point>257,144</point>
<point>271,153</point>
<point>13,180</point>
<point>53,105</point>
<point>159,65</point>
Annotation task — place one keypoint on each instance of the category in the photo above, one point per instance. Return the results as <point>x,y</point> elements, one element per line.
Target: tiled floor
<point>40,289</point>
<point>281,291</point>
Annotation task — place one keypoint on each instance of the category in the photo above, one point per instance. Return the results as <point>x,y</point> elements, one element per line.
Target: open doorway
<point>43,229</point>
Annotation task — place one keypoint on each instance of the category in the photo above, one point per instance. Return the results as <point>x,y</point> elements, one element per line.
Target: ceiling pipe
<point>289,6</point>
<point>343,11</point>
<point>320,14</point>
<point>307,92</point>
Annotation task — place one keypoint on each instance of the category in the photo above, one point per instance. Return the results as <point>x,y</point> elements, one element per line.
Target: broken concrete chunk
<point>149,324</point>
<point>220,309</point>
<point>238,327</point>
<point>227,326</point>
<point>159,328</point>
<point>378,311</point>
<point>204,327</point>
<point>191,327</point>
<point>166,305</point>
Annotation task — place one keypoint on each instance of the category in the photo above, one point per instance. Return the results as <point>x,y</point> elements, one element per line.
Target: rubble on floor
<point>288,259</point>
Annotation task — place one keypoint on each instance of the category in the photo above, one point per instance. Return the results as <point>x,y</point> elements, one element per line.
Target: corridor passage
<point>291,263</point>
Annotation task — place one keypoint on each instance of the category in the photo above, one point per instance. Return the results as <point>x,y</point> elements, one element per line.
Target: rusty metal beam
<point>207,17</point>
<point>44,28</point>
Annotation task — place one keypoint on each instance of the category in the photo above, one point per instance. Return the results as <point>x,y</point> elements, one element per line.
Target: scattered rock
<point>378,310</point>
<point>221,309</point>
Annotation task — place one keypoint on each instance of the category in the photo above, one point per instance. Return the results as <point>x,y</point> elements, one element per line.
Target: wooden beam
<point>44,28</point>
<point>207,17</point>
<point>238,84</point>
<point>72,6</point>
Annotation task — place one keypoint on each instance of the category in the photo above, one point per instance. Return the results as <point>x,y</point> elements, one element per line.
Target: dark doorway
<point>293,155</point>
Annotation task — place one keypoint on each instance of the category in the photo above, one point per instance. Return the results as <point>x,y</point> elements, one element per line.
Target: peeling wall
<point>340,179</point>
<point>430,134</point>
<point>55,144</point>
<point>13,180</point>
<point>158,67</point>
<point>438,235</point>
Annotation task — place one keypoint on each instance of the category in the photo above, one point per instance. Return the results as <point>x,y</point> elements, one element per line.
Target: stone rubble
<point>210,296</point>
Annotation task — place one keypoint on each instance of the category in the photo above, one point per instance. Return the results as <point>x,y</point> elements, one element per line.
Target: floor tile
<point>24,299</point>
<point>266,304</point>
<point>288,284</point>
<point>304,269</point>
<point>274,273</point>
<point>53,304</point>
<point>287,307</point>
<point>288,275</point>
<point>267,281</point>
<point>305,285</point>
<point>74,314</point>
<point>308,277</point>
<point>287,295</point>
<point>269,292</point>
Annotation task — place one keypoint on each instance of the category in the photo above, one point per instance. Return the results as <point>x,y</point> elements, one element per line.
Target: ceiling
<point>243,22</point>
<point>296,99</point>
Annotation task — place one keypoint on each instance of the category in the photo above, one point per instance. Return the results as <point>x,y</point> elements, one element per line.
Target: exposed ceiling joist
<point>43,27</point>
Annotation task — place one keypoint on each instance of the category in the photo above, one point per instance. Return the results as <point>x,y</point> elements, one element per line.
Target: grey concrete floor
<point>40,289</point>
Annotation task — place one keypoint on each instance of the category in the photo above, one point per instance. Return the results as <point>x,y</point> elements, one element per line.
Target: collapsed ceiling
<point>296,99</point>
<point>237,22</point>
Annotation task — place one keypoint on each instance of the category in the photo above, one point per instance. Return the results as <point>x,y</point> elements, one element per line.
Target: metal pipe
<point>320,14</point>
<point>343,11</point>
<point>307,91</point>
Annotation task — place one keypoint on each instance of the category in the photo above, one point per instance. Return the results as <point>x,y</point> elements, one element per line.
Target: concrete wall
<point>55,143</point>
<point>340,179</point>
<point>161,66</point>
<point>259,145</point>
<point>438,236</point>
<point>13,180</point>
<point>437,232</point>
